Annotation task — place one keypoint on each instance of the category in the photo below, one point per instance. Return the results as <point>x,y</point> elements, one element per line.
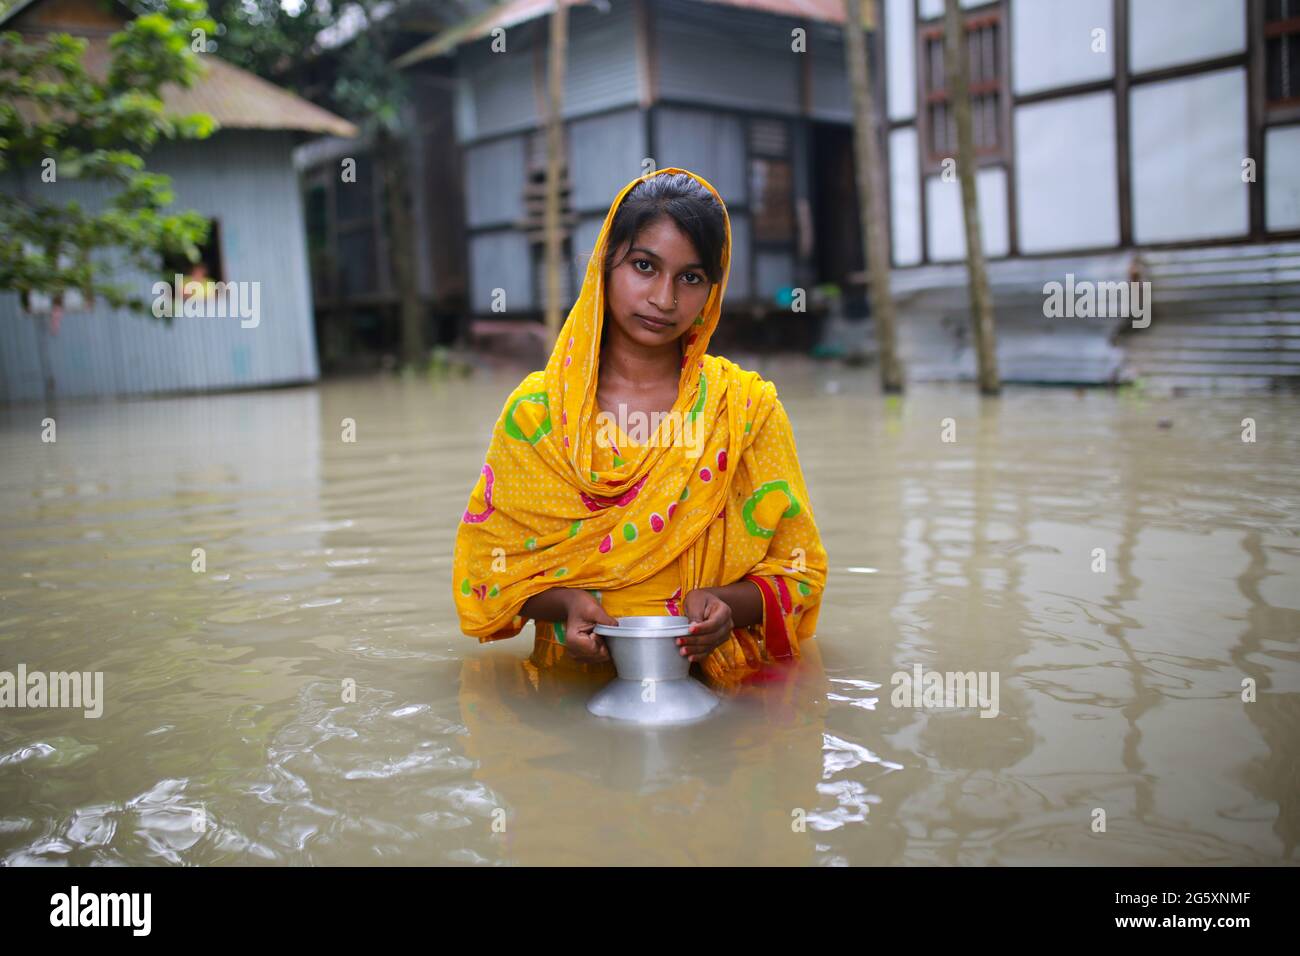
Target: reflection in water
<point>306,697</point>
<point>575,789</point>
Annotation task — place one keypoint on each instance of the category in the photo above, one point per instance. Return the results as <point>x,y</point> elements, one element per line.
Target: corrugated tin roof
<point>507,14</point>
<point>234,97</point>
<point>513,12</point>
<point>828,11</point>
<point>242,100</point>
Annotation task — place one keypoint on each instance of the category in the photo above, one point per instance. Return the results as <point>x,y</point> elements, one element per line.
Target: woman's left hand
<point>710,624</point>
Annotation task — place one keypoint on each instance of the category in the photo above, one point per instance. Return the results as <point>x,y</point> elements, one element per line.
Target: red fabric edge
<point>776,637</point>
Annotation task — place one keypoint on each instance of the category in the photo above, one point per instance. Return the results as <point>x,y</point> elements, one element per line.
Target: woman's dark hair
<point>688,202</point>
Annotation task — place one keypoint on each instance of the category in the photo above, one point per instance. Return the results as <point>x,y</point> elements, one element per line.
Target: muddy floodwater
<point>1123,570</point>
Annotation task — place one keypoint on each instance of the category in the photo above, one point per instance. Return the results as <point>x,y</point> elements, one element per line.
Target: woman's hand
<point>711,623</point>
<point>581,642</point>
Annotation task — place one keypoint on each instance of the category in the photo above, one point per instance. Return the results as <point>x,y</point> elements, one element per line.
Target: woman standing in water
<point>574,523</point>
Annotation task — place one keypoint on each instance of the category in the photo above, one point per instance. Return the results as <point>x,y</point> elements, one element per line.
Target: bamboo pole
<point>957,59</point>
<point>396,173</point>
<point>872,196</point>
<point>554,168</point>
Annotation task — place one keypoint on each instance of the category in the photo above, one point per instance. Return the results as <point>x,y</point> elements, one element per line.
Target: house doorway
<point>837,235</point>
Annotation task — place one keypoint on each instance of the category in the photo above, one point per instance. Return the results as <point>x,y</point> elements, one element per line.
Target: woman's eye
<point>695,278</point>
<point>637,262</point>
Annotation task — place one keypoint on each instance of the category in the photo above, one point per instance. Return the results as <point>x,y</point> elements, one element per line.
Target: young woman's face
<point>661,265</point>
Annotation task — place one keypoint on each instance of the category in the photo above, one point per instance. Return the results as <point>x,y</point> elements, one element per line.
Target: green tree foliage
<point>269,37</point>
<point>337,53</point>
<point>334,52</point>
<point>60,123</point>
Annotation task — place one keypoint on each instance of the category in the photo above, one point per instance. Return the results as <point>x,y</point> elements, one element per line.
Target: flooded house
<point>384,201</point>
<point>1119,143</point>
<point>243,179</point>
<point>712,87</point>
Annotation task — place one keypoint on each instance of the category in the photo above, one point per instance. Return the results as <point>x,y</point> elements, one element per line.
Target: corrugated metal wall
<point>497,88</point>
<point>246,181</point>
<point>605,155</point>
<point>705,142</point>
<point>501,260</point>
<point>601,68</point>
<point>494,182</point>
<point>497,92</point>
<point>497,95</point>
<point>494,197</point>
<point>708,55</point>
<point>829,79</point>
<point>711,53</point>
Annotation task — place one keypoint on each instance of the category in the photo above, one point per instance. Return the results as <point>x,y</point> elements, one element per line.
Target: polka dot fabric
<point>715,496</point>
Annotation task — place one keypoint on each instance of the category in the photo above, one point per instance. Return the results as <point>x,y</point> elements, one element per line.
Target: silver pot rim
<point>647,626</point>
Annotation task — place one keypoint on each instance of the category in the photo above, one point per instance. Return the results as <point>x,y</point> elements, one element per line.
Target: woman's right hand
<point>581,642</point>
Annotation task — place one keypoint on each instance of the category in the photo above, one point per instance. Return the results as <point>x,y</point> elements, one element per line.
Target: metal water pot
<point>654,685</point>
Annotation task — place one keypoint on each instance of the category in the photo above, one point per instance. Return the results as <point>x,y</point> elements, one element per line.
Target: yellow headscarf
<point>727,504</point>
